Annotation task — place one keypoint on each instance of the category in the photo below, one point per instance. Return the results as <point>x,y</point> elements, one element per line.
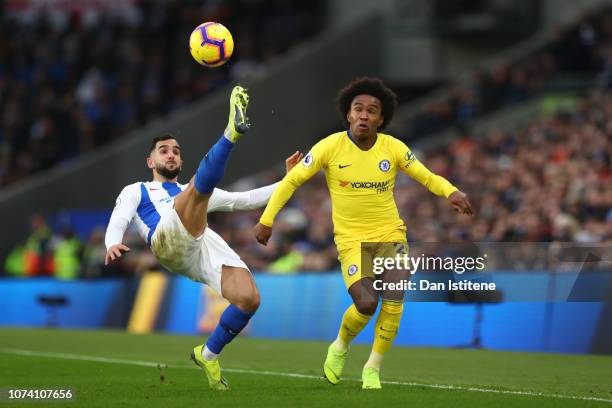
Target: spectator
<point>35,257</point>
<point>67,253</point>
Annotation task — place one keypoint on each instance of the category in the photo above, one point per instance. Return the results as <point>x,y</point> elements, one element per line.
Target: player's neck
<point>162,179</point>
<point>364,143</point>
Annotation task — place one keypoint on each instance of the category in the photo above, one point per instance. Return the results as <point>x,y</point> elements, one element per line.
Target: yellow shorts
<point>356,265</point>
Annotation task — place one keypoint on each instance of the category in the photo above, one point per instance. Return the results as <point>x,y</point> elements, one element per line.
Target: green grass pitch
<point>115,369</point>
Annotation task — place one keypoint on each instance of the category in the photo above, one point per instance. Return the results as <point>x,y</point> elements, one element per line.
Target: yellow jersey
<point>360,184</point>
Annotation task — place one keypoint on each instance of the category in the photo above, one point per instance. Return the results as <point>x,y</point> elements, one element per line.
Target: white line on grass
<point>140,363</point>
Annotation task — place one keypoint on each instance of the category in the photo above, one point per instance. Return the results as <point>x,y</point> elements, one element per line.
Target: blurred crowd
<point>76,79</point>
<point>583,49</point>
<point>57,251</point>
<point>548,181</point>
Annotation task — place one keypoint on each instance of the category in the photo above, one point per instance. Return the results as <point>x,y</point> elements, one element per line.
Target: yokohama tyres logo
<point>379,186</point>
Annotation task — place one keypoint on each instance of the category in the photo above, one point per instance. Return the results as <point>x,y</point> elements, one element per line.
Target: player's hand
<point>460,203</point>
<point>294,159</point>
<point>115,252</point>
<point>262,233</point>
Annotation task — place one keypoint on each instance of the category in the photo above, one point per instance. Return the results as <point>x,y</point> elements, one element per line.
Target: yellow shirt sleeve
<point>410,165</point>
<point>314,161</point>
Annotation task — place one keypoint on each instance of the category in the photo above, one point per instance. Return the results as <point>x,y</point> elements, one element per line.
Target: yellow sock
<point>352,324</point>
<point>387,325</point>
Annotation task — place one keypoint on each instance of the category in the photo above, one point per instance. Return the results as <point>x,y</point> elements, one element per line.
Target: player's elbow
<point>290,183</point>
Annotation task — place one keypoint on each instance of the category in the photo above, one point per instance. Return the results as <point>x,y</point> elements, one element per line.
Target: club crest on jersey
<point>384,165</point>
<point>307,162</point>
<point>352,270</point>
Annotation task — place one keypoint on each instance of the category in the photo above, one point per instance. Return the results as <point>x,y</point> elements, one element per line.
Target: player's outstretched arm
<point>263,232</point>
<point>436,184</point>
<point>124,211</point>
<point>283,192</point>
<point>311,164</point>
<point>221,200</point>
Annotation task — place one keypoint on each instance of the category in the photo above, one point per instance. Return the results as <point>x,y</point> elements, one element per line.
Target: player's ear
<point>380,122</point>
<point>150,163</point>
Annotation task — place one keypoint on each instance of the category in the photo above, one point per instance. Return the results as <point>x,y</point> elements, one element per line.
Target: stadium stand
<point>581,52</point>
<point>69,85</point>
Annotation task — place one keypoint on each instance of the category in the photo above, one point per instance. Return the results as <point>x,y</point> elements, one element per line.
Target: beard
<point>165,172</point>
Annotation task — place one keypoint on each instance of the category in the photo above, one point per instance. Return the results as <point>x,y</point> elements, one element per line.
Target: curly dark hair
<point>367,86</point>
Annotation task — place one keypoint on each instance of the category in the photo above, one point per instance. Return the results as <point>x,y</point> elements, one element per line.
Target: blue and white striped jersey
<point>145,202</point>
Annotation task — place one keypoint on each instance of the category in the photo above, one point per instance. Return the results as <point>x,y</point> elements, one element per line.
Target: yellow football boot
<point>371,378</point>
<point>238,123</point>
<point>334,364</point>
<point>211,369</point>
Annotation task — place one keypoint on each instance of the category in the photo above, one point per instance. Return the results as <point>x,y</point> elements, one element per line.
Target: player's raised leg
<point>191,204</point>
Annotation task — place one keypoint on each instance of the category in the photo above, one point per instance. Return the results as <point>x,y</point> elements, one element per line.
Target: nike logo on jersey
<point>340,166</point>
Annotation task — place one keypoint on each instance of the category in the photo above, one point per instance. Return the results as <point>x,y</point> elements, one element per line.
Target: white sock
<point>375,360</point>
<point>340,344</point>
<point>228,133</point>
<point>208,355</point>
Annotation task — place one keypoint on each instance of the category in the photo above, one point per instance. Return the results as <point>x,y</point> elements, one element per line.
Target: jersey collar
<point>350,136</point>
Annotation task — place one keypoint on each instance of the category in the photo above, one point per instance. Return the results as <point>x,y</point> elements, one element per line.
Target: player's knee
<point>248,300</point>
<point>253,301</point>
<point>366,306</point>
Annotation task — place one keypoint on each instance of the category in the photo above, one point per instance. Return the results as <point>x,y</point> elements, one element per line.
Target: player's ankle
<point>340,345</point>
<point>230,134</point>
<point>209,355</point>
<point>374,361</point>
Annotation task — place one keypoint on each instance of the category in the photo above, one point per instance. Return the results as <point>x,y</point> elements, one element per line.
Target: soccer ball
<point>211,44</point>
